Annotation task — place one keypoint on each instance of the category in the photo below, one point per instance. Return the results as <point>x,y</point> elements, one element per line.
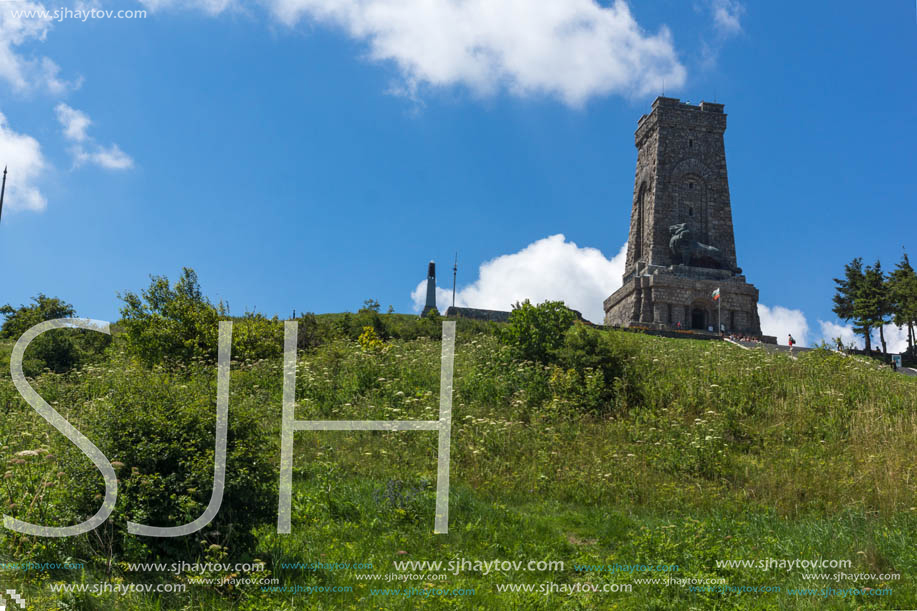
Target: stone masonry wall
<point>680,178</point>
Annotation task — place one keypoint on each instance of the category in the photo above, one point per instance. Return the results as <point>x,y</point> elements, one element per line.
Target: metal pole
<point>454,272</point>
<point>719,313</point>
<point>2,191</point>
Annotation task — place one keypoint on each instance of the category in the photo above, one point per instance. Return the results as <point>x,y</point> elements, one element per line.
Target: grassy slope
<point>722,454</point>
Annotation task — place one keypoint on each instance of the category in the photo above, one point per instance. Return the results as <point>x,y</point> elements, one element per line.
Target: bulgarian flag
<point>716,295</point>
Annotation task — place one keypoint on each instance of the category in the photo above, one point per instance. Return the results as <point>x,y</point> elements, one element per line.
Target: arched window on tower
<point>641,214</point>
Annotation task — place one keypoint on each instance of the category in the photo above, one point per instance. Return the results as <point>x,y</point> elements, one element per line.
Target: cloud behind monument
<point>779,321</point>
<point>554,268</point>
<point>551,268</point>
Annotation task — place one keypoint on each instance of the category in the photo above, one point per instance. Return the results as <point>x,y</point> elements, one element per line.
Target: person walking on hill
<point>790,342</point>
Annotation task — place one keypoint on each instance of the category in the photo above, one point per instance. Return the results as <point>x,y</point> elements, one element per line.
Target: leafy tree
<point>902,284</point>
<point>169,322</point>
<point>177,323</point>
<point>58,350</point>
<point>21,319</point>
<point>370,305</point>
<point>534,332</point>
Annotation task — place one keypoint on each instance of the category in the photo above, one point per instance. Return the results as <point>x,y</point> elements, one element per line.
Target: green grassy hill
<point>706,453</point>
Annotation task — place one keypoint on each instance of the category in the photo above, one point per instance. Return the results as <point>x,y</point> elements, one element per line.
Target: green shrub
<point>590,362</point>
<point>58,350</point>
<point>166,323</point>
<point>309,333</point>
<point>535,332</point>
<point>585,367</point>
<point>158,430</point>
<point>178,324</point>
<point>254,337</point>
<point>584,348</point>
<point>369,341</point>
<point>386,326</point>
<point>21,319</point>
<point>53,350</point>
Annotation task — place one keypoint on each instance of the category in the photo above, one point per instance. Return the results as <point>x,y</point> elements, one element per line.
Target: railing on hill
<point>908,359</point>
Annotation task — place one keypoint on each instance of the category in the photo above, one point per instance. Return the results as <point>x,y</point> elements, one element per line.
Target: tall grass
<point>706,452</point>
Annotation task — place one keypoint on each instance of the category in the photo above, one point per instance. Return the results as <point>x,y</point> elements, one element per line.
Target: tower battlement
<point>674,114</point>
<point>675,103</point>
<point>663,102</point>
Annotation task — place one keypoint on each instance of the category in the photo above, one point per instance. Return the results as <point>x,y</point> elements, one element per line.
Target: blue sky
<point>311,154</point>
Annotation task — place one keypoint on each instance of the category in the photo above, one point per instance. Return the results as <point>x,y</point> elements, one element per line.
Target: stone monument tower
<point>431,289</point>
<point>681,246</point>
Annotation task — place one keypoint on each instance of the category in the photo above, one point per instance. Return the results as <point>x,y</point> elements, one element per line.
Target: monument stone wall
<point>681,246</point>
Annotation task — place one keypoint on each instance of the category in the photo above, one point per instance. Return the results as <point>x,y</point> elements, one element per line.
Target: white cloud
<point>780,322</point>
<point>87,5</point>
<point>16,29</point>
<point>47,74</point>
<point>895,337</point>
<point>727,22</point>
<point>22,154</point>
<point>727,16</point>
<point>210,7</point>
<point>554,269</point>
<point>548,269</point>
<point>570,49</point>
<point>75,124</point>
<point>111,158</point>
<point>830,331</point>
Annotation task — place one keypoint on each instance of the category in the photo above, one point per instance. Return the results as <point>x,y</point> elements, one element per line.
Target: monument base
<point>681,297</point>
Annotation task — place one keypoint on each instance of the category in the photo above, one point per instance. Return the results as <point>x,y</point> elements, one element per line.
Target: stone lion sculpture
<point>687,250</point>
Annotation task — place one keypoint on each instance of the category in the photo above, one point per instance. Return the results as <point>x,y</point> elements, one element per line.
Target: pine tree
<point>871,304</point>
<point>903,292</point>
<point>846,294</point>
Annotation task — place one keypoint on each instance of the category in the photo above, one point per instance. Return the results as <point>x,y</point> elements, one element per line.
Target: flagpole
<point>454,272</point>
<point>2,192</point>
<point>718,298</point>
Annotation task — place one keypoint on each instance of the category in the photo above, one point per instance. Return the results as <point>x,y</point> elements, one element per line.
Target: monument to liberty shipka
<point>681,246</point>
